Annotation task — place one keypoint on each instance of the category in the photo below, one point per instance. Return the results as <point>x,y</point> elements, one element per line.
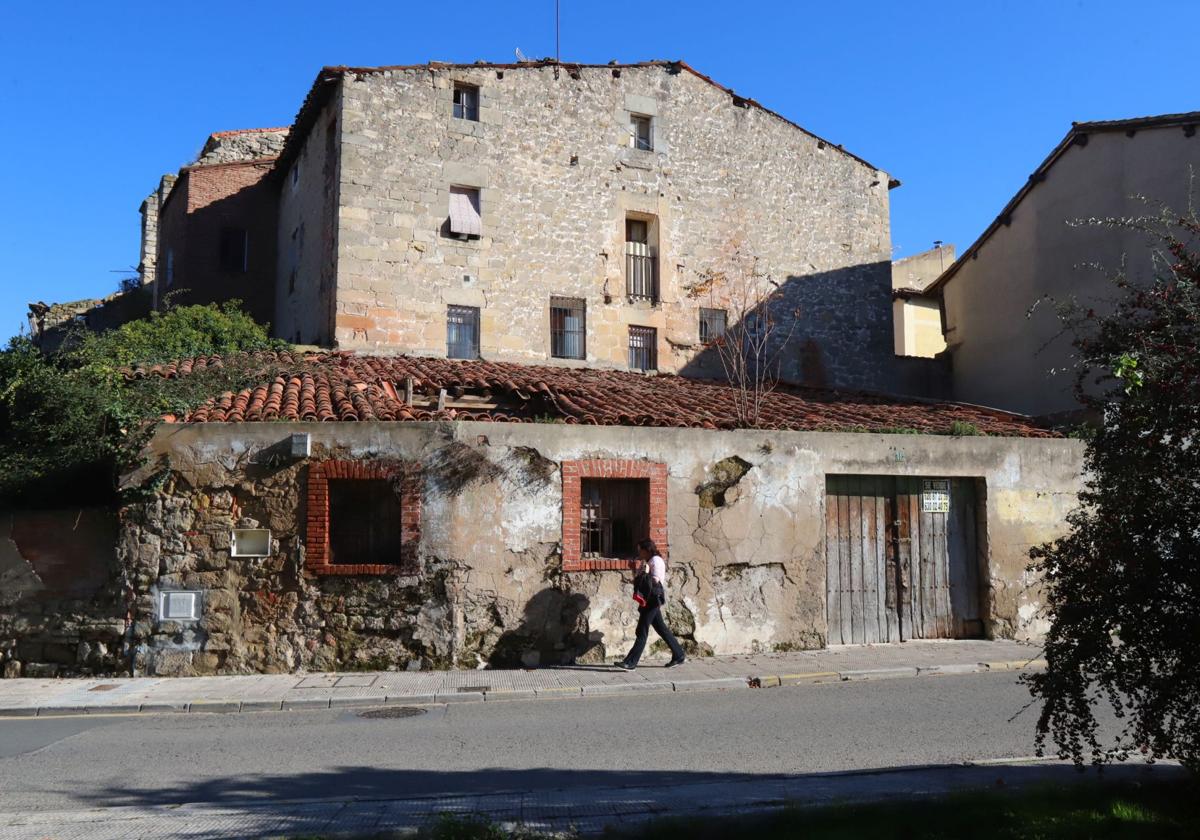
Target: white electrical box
<point>179,606</point>
<point>250,542</point>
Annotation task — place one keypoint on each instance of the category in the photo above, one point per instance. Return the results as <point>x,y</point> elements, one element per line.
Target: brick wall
<point>573,472</point>
<point>205,201</point>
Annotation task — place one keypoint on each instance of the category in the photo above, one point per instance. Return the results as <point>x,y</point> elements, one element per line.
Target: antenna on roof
<point>521,59</point>
<point>557,54</point>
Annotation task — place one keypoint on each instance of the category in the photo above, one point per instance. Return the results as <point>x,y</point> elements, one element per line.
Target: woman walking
<point>649,590</point>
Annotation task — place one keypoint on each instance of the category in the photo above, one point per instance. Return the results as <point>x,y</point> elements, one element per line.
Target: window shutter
<point>464,212</point>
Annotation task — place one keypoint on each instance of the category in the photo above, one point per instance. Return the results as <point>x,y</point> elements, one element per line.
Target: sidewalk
<point>281,692</point>
<point>588,812</point>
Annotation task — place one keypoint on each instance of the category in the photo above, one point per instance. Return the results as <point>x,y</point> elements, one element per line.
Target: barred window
<point>364,522</point>
<point>466,102</point>
<point>712,324</point>
<point>462,332</point>
<point>643,348</point>
<point>568,328</point>
<point>614,514</point>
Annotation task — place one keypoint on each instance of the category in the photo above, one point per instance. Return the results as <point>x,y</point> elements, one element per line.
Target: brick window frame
<point>573,473</point>
<point>316,543</point>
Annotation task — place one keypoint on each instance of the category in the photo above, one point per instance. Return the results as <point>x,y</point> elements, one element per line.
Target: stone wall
<point>243,145</point>
<point>729,189</point>
<point>148,254</point>
<point>307,235</point>
<point>62,603</point>
<point>747,567</point>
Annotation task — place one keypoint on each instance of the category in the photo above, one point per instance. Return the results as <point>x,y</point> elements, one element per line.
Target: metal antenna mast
<point>557,53</point>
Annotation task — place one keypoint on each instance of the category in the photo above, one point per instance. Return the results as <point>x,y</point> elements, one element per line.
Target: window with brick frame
<point>363,517</point>
<point>608,505</point>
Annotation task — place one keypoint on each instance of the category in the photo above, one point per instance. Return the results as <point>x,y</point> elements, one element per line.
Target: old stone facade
<point>726,189</point>
<point>490,580</point>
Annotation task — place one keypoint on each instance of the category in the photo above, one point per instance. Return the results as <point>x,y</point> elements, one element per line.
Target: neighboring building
<point>916,316</point>
<point>1007,345</point>
<point>213,229</point>
<point>575,214</point>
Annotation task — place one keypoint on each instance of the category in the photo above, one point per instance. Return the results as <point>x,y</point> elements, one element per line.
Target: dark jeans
<point>652,617</point>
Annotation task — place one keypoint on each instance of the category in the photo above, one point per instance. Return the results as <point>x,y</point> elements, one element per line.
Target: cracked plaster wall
<point>746,576</point>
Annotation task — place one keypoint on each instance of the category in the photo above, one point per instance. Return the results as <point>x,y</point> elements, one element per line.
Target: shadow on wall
<point>202,268</point>
<point>843,338</point>
<point>553,631</point>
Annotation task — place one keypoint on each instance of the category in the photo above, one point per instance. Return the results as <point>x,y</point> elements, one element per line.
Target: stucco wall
<point>551,156</point>
<point>746,576</point>
<point>918,326</point>
<point>1002,358</point>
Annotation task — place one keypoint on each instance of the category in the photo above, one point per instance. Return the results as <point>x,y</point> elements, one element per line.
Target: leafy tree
<point>1123,586</point>
<point>70,420</point>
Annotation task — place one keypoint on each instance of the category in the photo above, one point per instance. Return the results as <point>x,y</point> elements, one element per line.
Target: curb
<point>547,693</point>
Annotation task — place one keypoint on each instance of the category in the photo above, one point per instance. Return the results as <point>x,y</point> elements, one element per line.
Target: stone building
<point>606,215</point>
<point>1004,335</point>
<point>211,228</point>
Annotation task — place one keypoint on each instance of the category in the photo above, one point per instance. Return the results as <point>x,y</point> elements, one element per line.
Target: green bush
<point>69,420</point>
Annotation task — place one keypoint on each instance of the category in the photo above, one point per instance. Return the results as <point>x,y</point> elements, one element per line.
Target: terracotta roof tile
<point>348,387</point>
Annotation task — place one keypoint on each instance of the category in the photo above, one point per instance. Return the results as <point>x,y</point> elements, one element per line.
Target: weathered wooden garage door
<point>901,559</point>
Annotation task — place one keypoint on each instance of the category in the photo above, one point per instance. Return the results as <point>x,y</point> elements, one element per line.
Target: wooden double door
<point>901,559</point>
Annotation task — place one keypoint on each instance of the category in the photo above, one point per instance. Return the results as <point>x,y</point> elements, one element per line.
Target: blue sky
<point>959,100</point>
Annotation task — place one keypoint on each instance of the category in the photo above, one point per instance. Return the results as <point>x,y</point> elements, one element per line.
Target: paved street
<point>583,758</point>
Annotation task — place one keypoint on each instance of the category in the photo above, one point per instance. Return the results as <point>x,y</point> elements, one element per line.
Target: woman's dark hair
<point>648,546</point>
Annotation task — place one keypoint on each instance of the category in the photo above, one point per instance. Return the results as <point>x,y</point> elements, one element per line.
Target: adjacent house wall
<point>746,574</point>
<point>1003,356</point>
<point>726,183</point>
<point>307,235</point>
<point>918,321</point>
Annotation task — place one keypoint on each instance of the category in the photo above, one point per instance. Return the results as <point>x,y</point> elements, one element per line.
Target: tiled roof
<point>349,387</point>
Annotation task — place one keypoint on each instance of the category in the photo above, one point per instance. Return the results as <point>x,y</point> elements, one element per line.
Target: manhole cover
<point>392,712</point>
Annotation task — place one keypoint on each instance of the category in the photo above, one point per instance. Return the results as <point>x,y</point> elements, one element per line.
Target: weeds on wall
<point>71,421</point>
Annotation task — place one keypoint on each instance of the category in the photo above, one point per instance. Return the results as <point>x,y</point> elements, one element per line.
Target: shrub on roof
<point>69,421</point>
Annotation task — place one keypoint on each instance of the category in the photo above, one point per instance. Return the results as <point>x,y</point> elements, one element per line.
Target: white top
<point>658,570</point>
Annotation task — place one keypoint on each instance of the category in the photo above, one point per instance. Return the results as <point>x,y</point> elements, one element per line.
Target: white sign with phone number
<point>935,497</point>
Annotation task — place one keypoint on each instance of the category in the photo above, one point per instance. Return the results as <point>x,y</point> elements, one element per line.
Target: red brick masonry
<point>573,472</point>
<point>317,523</point>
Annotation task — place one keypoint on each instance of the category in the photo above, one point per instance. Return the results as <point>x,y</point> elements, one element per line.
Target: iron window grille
<point>643,348</point>
<point>643,137</point>
<point>462,332</point>
<point>568,328</point>
<point>364,522</point>
<point>712,324</point>
<point>466,102</point>
<point>614,514</point>
<point>234,249</point>
<point>641,267</point>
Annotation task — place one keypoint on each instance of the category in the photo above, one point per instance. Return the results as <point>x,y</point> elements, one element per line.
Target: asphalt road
<point>87,762</point>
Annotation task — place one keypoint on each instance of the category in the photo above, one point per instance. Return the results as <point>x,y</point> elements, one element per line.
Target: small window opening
<point>465,218</point>
<point>568,328</point>
<point>642,135</point>
<point>712,324</point>
<point>364,522</point>
<point>643,348</point>
<point>462,332</point>
<point>614,515</point>
<point>234,248</point>
<point>466,102</point>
